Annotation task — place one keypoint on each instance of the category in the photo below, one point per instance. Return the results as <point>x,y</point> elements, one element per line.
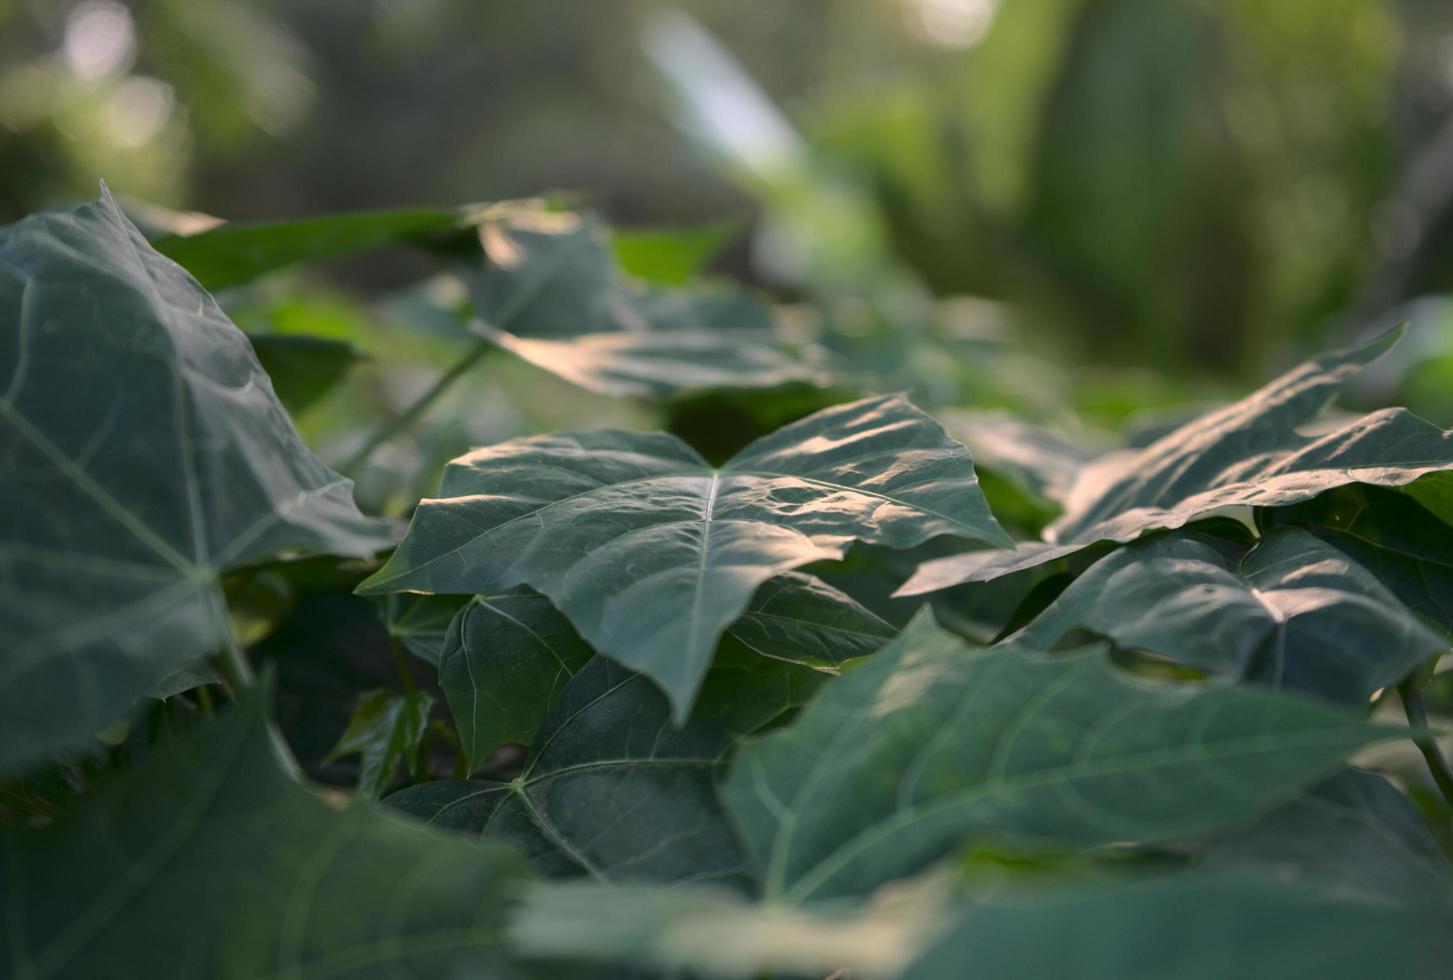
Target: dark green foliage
<point>696,720</point>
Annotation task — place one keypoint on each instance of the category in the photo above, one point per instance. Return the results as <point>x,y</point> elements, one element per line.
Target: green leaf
<point>801,619</point>
<point>420,623</point>
<point>652,553</point>
<point>613,790</point>
<point>1354,833</point>
<point>504,659</point>
<point>1388,532</point>
<point>550,294</point>
<point>1036,459</point>
<point>302,368</point>
<point>142,454</point>
<point>1190,927</point>
<point>235,253</point>
<point>386,730</point>
<point>671,255</point>
<point>927,744</point>
<point>1293,612</point>
<point>210,861</point>
<point>1256,452</point>
<point>712,932</point>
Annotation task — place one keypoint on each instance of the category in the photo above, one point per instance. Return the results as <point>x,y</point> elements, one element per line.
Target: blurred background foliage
<point>1088,211</point>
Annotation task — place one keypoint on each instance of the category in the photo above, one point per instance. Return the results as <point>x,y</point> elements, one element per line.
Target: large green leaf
<point>550,293</point>
<point>1256,452</point>
<point>613,789</point>
<point>801,619</point>
<point>504,659</point>
<point>1356,833</point>
<point>1293,612</point>
<point>1191,927</point>
<point>652,553</point>
<point>229,254</point>
<point>927,744</point>
<point>210,861</point>
<point>1194,924</point>
<point>705,931</point>
<point>142,454</point>
<point>1390,533</point>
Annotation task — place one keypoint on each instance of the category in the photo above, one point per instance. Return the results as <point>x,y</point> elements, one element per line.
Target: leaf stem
<point>410,415</point>
<point>1412,696</point>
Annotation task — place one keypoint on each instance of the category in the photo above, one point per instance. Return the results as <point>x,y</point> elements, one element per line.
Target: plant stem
<point>1412,696</point>
<point>406,676</point>
<point>410,415</point>
<point>232,664</point>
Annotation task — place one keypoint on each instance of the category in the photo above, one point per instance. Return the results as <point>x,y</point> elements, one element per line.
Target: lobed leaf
<point>550,294</point>
<point>613,790</point>
<point>652,553</point>
<point>210,861</point>
<point>232,253</point>
<point>1257,452</point>
<point>1292,612</point>
<point>142,454</point>
<point>503,661</point>
<point>926,745</point>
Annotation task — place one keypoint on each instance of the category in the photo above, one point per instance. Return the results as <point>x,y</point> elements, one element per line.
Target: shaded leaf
<point>142,454</point>
<point>1293,612</point>
<point>1407,547</point>
<point>386,730</point>
<point>233,253</point>
<point>1256,452</point>
<point>550,294</point>
<point>927,744</point>
<point>1191,927</point>
<point>211,861</point>
<point>613,789</point>
<point>652,553</point>
<point>503,661</point>
<point>303,368</point>
<point>1356,833</point>
<point>420,623</point>
<point>801,619</point>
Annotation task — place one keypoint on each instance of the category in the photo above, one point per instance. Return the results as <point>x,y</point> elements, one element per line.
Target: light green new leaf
<point>1191,926</point>
<point>927,744</point>
<point>229,254</point>
<point>504,659</point>
<point>210,861</point>
<point>671,255</point>
<point>613,790</point>
<point>652,553</point>
<point>1254,453</point>
<point>1294,612</point>
<point>801,619</point>
<point>385,731</point>
<point>142,454</point>
<point>550,294</point>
